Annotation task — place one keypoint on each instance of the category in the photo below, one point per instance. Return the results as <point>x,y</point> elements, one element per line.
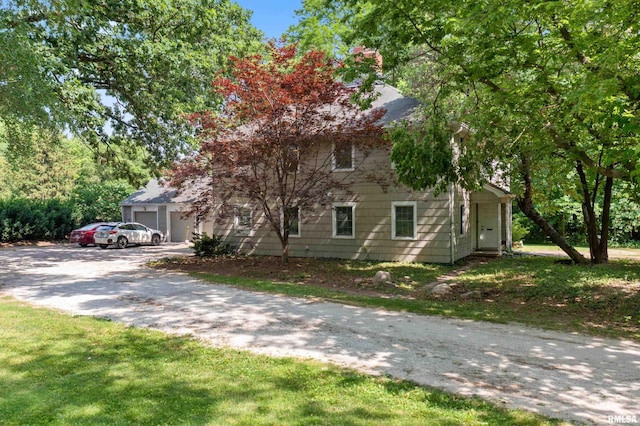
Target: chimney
<point>369,54</point>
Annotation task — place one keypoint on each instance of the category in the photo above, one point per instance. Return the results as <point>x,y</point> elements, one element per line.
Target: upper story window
<point>342,156</point>
<point>344,220</point>
<point>403,220</point>
<point>243,221</point>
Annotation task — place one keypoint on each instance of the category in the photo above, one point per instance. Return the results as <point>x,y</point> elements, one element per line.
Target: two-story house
<point>373,222</point>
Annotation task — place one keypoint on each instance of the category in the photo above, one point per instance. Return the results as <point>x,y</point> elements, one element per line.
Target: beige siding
<point>373,228</point>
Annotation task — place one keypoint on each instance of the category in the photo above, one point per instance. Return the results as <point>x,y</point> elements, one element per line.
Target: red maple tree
<point>270,144</point>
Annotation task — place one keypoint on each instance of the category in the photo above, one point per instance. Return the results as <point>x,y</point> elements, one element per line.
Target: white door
<point>488,215</point>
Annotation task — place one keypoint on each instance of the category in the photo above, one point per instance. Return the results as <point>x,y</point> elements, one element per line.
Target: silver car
<point>126,233</point>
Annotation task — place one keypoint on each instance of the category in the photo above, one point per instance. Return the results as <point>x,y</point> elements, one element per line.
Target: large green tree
<point>117,72</point>
<point>551,90</point>
<point>41,163</point>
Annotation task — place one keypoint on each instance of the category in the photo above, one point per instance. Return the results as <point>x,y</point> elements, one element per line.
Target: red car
<point>84,235</point>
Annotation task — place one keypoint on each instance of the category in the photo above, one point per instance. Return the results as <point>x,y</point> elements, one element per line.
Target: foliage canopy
<point>117,72</point>
<point>551,89</point>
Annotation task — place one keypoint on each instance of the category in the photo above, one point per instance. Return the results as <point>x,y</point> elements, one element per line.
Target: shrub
<point>520,227</point>
<point>209,246</point>
<point>23,219</point>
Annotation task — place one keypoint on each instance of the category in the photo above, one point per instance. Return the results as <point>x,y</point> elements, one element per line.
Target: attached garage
<point>162,208</point>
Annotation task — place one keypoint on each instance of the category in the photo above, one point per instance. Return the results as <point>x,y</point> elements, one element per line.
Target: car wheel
<point>104,246</point>
<point>83,244</point>
<point>122,242</point>
<point>155,240</point>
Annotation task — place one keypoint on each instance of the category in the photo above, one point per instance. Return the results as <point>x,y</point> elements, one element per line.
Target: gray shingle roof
<point>398,108</point>
<point>155,193</point>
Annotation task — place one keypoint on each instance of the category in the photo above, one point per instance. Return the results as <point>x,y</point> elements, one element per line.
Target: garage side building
<point>160,208</point>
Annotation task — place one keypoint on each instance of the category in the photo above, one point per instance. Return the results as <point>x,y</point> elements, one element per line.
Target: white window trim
<point>395,204</point>
<point>299,234</point>
<point>333,159</point>
<point>335,223</point>
<point>239,230</point>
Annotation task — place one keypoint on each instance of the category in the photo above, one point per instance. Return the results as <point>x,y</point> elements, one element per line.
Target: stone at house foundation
<point>441,289</point>
<point>382,277</point>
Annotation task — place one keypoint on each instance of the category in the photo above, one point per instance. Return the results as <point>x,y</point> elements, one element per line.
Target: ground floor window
<point>403,220</point>
<point>243,221</point>
<point>294,221</point>
<point>344,220</point>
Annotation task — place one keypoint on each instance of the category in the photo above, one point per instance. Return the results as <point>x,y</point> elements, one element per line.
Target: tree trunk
<point>285,251</point>
<point>526,206</point>
<point>598,241</point>
<point>602,251</point>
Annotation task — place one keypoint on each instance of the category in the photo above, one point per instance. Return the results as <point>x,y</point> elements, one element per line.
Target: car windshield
<point>106,227</point>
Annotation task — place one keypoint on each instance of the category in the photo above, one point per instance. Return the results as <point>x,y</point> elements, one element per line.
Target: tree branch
<point>582,156</point>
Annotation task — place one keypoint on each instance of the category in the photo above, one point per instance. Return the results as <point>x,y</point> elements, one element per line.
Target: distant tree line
<point>52,184</point>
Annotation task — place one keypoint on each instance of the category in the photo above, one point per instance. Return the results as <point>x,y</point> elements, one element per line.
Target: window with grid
<point>294,221</point>
<point>343,156</point>
<point>343,221</point>
<point>404,220</point>
<point>243,221</point>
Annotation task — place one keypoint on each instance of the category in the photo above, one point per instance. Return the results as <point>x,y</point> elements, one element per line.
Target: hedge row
<point>22,219</point>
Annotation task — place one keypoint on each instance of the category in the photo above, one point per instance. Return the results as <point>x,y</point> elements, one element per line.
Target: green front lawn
<point>63,370</point>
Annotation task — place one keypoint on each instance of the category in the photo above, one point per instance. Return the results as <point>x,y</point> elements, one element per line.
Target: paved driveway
<point>569,376</point>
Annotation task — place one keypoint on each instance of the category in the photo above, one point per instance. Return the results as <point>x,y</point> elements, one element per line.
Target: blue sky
<point>273,17</point>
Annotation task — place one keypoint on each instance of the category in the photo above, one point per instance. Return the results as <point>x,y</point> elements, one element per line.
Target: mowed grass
<point>539,291</point>
<point>64,370</point>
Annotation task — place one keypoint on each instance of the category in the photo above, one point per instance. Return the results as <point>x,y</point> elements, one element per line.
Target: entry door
<point>488,225</point>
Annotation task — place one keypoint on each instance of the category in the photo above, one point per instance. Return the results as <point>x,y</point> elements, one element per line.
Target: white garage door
<point>146,218</point>
<point>181,229</point>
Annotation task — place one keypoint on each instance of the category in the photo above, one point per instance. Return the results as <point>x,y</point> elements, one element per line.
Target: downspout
<point>452,229</point>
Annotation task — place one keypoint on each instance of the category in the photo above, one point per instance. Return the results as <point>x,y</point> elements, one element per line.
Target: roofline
<point>497,191</point>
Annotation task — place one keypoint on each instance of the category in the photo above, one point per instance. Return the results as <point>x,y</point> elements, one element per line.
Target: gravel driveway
<point>569,376</point>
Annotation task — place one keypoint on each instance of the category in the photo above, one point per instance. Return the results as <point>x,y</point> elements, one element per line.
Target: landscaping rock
<point>471,295</point>
<point>441,289</point>
<point>430,286</point>
<point>382,277</point>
